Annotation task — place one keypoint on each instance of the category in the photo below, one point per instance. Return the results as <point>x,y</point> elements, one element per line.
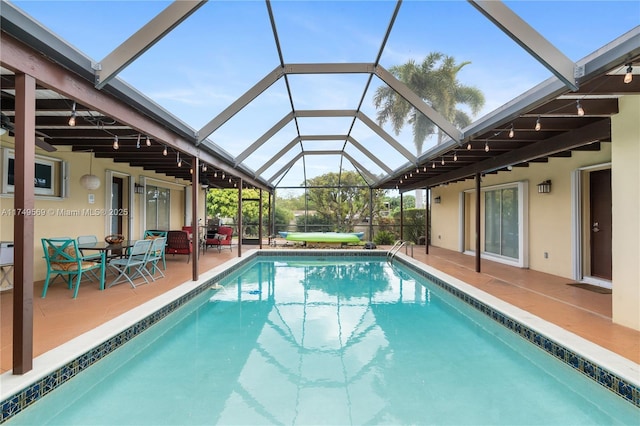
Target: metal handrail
<point>395,249</point>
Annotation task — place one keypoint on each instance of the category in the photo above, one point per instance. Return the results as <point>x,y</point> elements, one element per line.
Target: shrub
<point>384,238</point>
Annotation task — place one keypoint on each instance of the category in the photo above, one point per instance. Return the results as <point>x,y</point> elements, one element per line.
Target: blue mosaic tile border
<point>18,402</point>
<point>628,391</point>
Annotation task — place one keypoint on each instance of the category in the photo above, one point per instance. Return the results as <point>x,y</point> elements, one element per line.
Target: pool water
<point>345,341</point>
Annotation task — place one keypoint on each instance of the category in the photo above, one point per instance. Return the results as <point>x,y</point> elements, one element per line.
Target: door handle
<point>595,227</point>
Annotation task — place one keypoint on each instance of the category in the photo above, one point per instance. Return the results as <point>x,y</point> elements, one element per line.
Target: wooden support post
<point>195,226</point>
<point>23,230</point>
<point>478,243</point>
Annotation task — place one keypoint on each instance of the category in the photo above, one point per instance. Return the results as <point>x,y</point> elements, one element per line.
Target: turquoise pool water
<point>346,341</point>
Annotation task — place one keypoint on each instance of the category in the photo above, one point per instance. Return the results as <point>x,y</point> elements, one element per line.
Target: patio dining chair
<point>152,234</point>
<point>89,239</point>
<point>156,254</point>
<point>132,266</point>
<point>64,259</point>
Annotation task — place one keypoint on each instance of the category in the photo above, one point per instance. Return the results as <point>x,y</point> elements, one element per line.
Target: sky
<point>226,47</point>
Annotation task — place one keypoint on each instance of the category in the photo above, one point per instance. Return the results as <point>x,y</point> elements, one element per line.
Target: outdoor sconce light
<point>437,200</point>
<point>139,189</point>
<point>544,187</point>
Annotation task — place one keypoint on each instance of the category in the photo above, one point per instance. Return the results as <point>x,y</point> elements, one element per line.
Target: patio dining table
<point>105,248</point>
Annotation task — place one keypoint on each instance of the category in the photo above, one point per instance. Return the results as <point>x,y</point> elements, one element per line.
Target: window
<point>47,176</point>
<point>502,222</point>
<point>158,204</point>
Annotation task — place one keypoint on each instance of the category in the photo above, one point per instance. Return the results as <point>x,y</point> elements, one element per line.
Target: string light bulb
<point>74,114</point>
<point>433,165</point>
<point>442,161</point>
<point>116,145</point>
<point>215,174</point>
<point>511,132</point>
<point>628,77</point>
<point>486,146</point>
<point>538,126</point>
<point>455,155</point>
<point>425,169</point>
<point>148,141</point>
<point>222,175</point>
<point>469,146</point>
<point>579,108</point>
<point>179,159</point>
<point>164,151</point>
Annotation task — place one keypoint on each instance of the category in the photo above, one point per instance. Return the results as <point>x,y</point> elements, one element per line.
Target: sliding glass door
<point>157,208</point>
<point>501,222</point>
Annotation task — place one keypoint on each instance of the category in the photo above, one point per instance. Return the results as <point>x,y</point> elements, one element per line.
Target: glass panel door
<point>157,208</point>
<point>501,222</point>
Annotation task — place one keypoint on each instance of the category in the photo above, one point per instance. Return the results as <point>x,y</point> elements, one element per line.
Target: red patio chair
<point>178,242</point>
<point>222,237</point>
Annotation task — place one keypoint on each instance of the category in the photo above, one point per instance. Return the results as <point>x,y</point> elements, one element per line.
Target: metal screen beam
<point>387,137</point>
<point>372,157</point>
<point>529,39</point>
<point>264,138</point>
<point>279,155</point>
<point>143,39</point>
<point>286,167</point>
<point>361,168</point>
<point>240,103</point>
<point>326,113</point>
<point>415,101</point>
<point>338,68</point>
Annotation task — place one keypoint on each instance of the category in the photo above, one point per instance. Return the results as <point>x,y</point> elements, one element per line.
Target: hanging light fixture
<point>204,167</point>
<point>164,151</point>
<point>116,145</point>
<point>433,165</point>
<point>442,161</point>
<point>179,159</point>
<point>486,146</point>
<point>72,119</point>
<point>90,181</point>
<point>579,108</point>
<point>469,146</point>
<point>511,132</point>
<point>148,141</point>
<point>455,155</point>
<point>628,76</point>
<point>537,128</point>
<point>215,174</point>
<point>138,141</point>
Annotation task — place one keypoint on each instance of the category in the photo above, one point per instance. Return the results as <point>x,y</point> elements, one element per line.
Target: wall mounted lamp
<point>138,189</point>
<point>544,187</point>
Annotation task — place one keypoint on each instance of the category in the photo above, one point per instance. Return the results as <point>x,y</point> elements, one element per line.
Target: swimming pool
<point>330,344</point>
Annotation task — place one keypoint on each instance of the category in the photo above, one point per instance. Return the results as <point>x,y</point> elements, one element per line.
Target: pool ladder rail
<point>395,249</point>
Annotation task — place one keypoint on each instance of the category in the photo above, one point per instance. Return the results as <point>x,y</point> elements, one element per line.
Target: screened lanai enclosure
<point>344,114</point>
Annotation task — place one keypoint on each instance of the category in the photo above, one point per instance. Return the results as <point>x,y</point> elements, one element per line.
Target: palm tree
<point>434,81</point>
<point>438,87</point>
